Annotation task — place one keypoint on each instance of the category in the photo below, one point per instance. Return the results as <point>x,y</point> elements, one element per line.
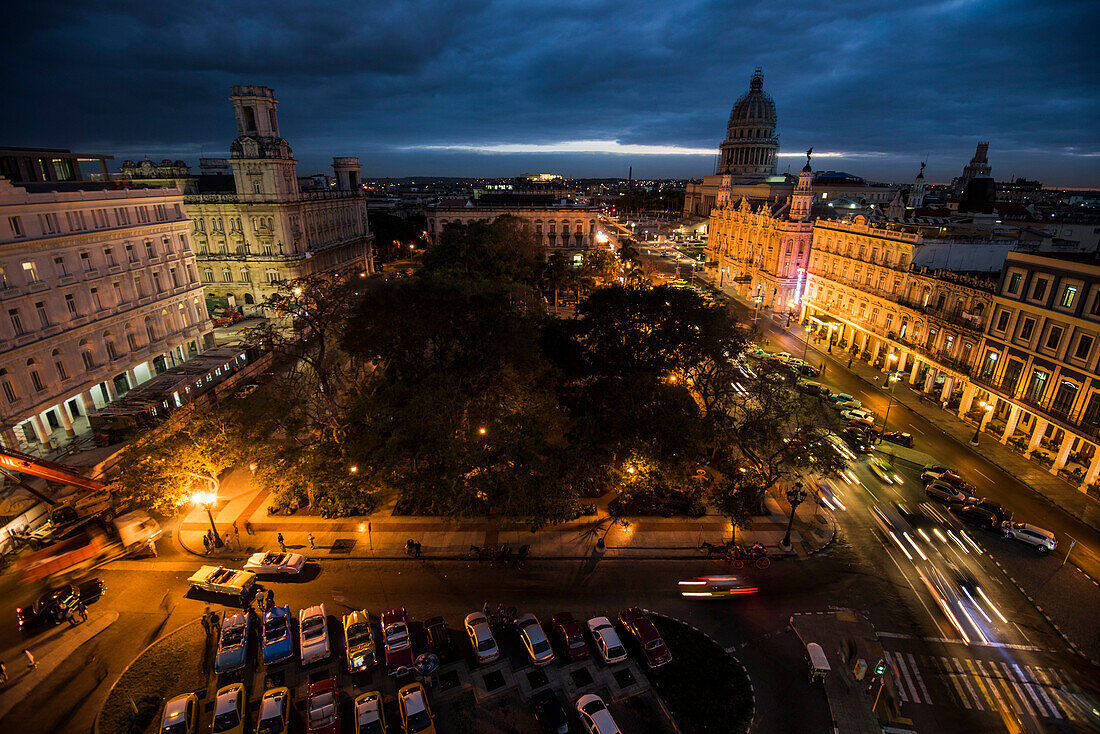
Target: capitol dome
<point>751,144</point>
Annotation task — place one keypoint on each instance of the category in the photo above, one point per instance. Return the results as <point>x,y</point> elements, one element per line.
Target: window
<point>131,340</point>
<point>86,358</point>
<point>16,322</point>
<point>1069,296</point>
<point>150,252</point>
<point>1026,329</point>
<point>118,292</point>
<point>9,391</point>
<point>1040,289</point>
<point>190,273</point>
<point>1002,321</point>
<point>36,380</point>
<point>139,287</point>
<point>1054,337</point>
<point>62,374</point>
<point>16,225</point>
<point>112,353</point>
<point>207,275</point>
<point>175,277</point>
<point>70,304</point>
<point>95,299</point>
<point>1038,385</point>
<point>59,266</point>
<point>156,282</point>
<point>1064,398</point>
<point>1084,346</point>
<point>1091,416</point>
<point>1014,282</point>
<point>272,276</point>
<point>130,256</point>
<point>227,275</point>
<point>86,262</point>
<point>30,270</point>
<point>1096,304</point>
<point>110,255</point>
<point>246,276</point>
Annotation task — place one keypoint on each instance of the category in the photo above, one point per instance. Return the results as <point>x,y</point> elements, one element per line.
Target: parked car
<point>932,472</point>
<point>245,391</point>
<point>229,710</point>
<point>901,439</point>
<point>221,580</point>
<point>274,712</point>
<point>232,651</point>
<point>323,707</point>
<point>549,712</point>
<point>534,640</point>
<point>396,640</point>
<point>840,397</point>
<point>607,640</point>
<point>958,483</point>
<point>867,425</point>
<point>439,638</point>
<point>358,641</point>
<point>808,370</point>
<point>848,404</point>
<point>858,414</point>
<point>977,516</point>
<point>370,715</point>
<point>813,388</point>
<point>1003,513</point>
<point>277,645</point>
<point>481,638</point>
<point>275,564</point>
<point>945,493</point>
<point>1043,540</point>
<point>313,635</point>
<point>569,632</point>
<point>639,626</point>
<point>51,607</point>
<point>181,715</point>
<point>416,716</point>
<point>595,717</point>
<point>857,438</point>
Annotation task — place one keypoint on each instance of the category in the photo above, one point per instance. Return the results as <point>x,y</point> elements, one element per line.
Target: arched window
<point>227,275</point>
<point>9,389</point>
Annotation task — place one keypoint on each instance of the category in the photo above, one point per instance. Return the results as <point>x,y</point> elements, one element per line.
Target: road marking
<point>992,683</point>
<point>978,678</point>
<point>899,660</point>
<point>916,673</point>
<point>1059,696</point>
<point>900,687</point>
<point>1030,686</point>
<point>966,680</point>
<point>979,471</point>
<point>914,428</point>
<point>1012,681</point>
<point>945,668</point>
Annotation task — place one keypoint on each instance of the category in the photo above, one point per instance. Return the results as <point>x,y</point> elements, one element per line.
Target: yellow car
<point>181,714</point>
<point>274,712</point>
<point>229,711</point>
<point>221,580</point>
<point>884,471</point>
<point>359,641</point>
<point>369,716</point>
<point>416,717</point>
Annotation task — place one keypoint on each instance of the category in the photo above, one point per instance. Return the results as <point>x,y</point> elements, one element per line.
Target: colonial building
<point>762,251</point>
<point>100,291</point>
<point>1039,362</point>
<point>257,227</point>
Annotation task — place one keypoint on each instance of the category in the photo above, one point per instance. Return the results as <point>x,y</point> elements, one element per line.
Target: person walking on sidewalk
<point>282,543</point>
<point>227,541</point>
<point>248,527</point>
<point>206,543</point>
<point>311,545</point>
<point>236,535</point>
<point>32,664</point>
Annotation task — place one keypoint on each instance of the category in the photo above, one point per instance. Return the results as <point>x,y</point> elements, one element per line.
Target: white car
<point>607,640</point>
<point>313,631</point>
<point>595,717</point>
<point>481,637</point>
<point>275,564</point>
<point>1043,540</point>
<point>534,640</point>
<point>853,414</point>
<point>369,717</point>
<point>846,404</point>
<point>274,712</point>
<point>181,714</point>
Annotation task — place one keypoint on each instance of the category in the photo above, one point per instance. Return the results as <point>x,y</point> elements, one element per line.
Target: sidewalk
<point>383,535</point>
<point>846,637</point>
<point>1052,488</point>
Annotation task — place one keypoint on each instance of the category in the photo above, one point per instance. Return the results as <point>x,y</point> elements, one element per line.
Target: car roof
<point>227,699</point>
<point>311,611</point>
<point>175,706</point>
<point>413,696</point>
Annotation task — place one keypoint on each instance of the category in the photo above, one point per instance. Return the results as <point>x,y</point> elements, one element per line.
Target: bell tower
<point>916,194</point>
<point>263,164</point>
<point>803,197</point>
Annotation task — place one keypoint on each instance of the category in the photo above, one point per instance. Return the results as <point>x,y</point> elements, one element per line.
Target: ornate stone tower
<point>751,144</point>
<point>347,173</point>
<point>916,194</point>
<point>263,164</point>
<point>803,197</point>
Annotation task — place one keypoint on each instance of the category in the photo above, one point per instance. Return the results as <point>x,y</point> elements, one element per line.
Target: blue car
<point>232,644</point>
<point>277,644</point>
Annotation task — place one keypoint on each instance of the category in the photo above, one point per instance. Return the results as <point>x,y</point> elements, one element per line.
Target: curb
<point>752,689</point>
<point>154,643</point>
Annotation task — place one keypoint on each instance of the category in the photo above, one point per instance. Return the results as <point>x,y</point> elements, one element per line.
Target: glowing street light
<point>207,500</point>
<point>481,430</point>
<point>988,408</point>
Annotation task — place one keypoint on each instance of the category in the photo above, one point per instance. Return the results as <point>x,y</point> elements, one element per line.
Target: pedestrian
<point>248,527</point>
<point>152,547</point>
<point>206,621</point>
<point>850,359</point>
<point>311,545</point>
<point>206,543</point>
<point>282,543</point>
<point>269,601</point>
<point>32,664</point>
<point>485,609</point>
<point>83,609</point>
<point>236,535</point>
<point>417,554</point>
<point>3,673</point>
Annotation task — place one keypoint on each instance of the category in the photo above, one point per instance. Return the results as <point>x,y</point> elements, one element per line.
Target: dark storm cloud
<point>417,87</point>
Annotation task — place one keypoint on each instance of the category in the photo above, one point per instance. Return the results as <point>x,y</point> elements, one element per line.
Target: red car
<point>569,632</point>
<point>396,639</point>
<point>649,640</point>
<point>323,707</point>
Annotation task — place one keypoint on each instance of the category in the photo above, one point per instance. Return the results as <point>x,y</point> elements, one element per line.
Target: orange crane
<point>17,461</point>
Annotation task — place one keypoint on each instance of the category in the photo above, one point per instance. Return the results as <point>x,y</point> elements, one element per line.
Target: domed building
<point>751,144</point>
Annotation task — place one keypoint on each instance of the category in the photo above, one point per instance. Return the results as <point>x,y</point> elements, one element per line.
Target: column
<point>866,338</point>
<point>1013,421</point>
<point>40,431</point>
<point>66,421</point>
<point>87,402</point>
<point>131,375</point>
<point>1036,435</point>
<point>1063,452</point>
<point>948,388</point>
<point>916,372</point>
<point>875,353</point>
<point>112,394</point>
<point>901,360</point>
<point>11,441</point>
<point>1091,475</point>
<point>967,402</point>
<point>929,380</point>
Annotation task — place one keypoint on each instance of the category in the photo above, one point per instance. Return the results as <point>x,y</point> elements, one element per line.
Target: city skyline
<point>443,88</point>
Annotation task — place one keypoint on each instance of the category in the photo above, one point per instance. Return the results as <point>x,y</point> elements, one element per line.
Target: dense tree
<point>501,249</point>
<point>397,237</point>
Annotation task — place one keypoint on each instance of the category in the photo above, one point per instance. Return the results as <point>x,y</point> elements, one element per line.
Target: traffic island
<point>704,688</point>
<point>172,665</point>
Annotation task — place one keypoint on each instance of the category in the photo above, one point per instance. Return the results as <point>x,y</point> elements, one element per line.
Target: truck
<point>90,544</point>
<point>221,580</point>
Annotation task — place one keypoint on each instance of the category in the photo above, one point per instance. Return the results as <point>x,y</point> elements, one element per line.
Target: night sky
<point>423,87</point>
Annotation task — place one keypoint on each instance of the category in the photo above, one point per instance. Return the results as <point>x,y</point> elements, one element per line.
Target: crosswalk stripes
<point>944,667</point>
<point>969,686</point>
<point>1016,686</point>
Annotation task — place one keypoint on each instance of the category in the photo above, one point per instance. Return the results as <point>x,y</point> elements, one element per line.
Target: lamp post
<point>891,378</point>
<point>987,408</point>
<point>206,499</point>
<point>806,342</point>
<point>795,496</point>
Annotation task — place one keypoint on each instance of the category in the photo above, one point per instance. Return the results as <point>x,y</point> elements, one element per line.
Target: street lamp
<point>988,408</point>
<point>795,496</point>
<point>891,378</point>
<point>206,499</point>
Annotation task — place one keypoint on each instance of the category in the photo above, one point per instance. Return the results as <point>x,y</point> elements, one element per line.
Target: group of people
<point>32,664</point>
<point>230,542</point>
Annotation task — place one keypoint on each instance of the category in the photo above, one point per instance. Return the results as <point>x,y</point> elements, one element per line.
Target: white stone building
<point>99,290</point>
